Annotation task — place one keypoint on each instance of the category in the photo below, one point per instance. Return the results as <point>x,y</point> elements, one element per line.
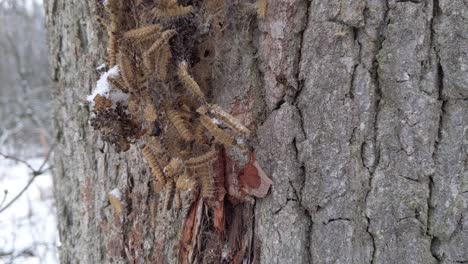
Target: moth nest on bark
<point>161,50</point>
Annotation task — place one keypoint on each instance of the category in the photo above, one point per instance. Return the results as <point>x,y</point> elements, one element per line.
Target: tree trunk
<point>361,121</point>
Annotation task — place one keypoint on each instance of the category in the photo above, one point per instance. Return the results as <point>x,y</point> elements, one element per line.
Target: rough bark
<point>362,124</point>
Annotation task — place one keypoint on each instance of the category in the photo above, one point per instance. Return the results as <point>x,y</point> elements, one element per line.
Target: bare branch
<point>34,174</point>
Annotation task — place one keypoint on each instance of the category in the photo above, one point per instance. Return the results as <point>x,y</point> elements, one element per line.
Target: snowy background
<point>28,228</point>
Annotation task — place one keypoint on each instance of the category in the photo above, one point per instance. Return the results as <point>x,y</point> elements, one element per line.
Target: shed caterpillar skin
<point>180,124</point>
<point>139,35</point>
<point>153,164</point>
<point>170,190</point>
<point>188,81</point>
<point>210,156</point>
<point>173,12</point>
<point>219,134</point>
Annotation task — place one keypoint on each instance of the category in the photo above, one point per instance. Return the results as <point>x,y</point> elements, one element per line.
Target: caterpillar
<point>149,112</point>
<point>205,176</point>
<point>153,164</point>
<point>163,62</point>
<point>219,134</point>
<point>180,124</point>
<point>178,200</point>
<point>113,6</point>
<point>188,82</point>
<point>210,156</point>
<point>167,3</point>
<point>170,189</point>
<point>174,167</point>
<point>184,182</point>
<point>139,35</point>
<point>128,71</point>
<point>112,50</point>
<point>165,37</point>
<point>228,119</point>
<point>173,12</point>
<point>117,83</point>
<point>199,134</point>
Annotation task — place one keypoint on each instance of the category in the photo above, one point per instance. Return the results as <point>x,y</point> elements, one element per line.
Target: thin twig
<point>17,160</point>
<point>4,197</point>
<point>34,174</point>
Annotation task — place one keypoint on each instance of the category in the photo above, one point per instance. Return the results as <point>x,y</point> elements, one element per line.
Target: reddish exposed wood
<point>218,206</point>
<point>249,176</point>
<point>187,233</point>
<point>254,180</point>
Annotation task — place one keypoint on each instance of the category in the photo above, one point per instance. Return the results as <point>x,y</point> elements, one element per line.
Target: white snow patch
<point>216,121</point>
<point>100,67</point>
<point>116,193</point>
<point>104,88</point>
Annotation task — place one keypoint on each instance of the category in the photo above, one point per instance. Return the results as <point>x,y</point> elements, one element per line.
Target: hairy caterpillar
<point>142,34</point>
<point>113,6</point>
<point>180,124</point>
<point>174,167</point>
<point>128,71</point>
<point>167,3</point>
<point>178,200</point>
<point>173,12</point>
<point>188,82</point>
<point>112,50</point>
<point>205,176</point>
<point>210,156</point>
<point>165,37</point>
<point>199,134</point>
<point>219,134</point>
<point>170,189</point>
<point>153,164</point>
<point>162,62</point>
<point>184,182</point>
<point>224,116</point>
<point>149,112</point>
<point>117,83</point>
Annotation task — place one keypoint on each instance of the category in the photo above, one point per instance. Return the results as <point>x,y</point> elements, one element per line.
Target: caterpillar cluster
<point>166,111</point>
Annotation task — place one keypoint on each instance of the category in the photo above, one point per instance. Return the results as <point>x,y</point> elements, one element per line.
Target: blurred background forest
<point>27,215</point>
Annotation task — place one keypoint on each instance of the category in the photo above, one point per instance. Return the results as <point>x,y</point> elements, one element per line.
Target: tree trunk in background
<point>361,113</point>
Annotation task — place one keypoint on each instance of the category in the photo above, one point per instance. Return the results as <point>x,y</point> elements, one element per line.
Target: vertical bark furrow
<point>282,223</point>
<point>449,200</point>
<point>406,132</point>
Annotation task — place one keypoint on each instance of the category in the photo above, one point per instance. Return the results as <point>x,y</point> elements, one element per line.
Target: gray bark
<point>362,124</point>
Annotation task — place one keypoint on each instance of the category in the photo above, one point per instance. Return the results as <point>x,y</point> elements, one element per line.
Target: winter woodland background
<point>27,224</point>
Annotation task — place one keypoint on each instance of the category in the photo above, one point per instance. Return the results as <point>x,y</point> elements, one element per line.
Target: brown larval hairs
<point>158,100</point>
